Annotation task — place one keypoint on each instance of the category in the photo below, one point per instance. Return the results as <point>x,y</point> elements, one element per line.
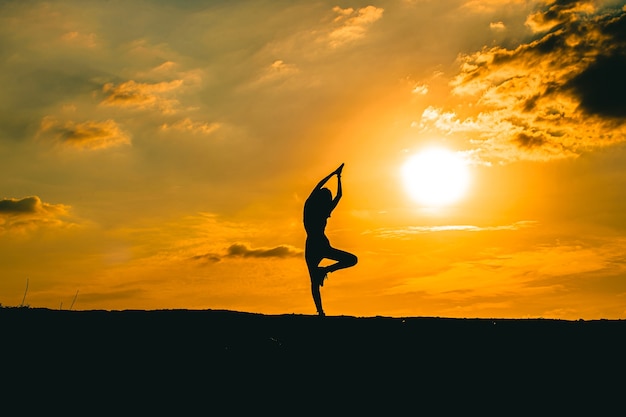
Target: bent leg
<point>344,259</point>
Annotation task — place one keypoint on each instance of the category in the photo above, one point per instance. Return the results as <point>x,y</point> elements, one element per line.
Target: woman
<point>317,210</point>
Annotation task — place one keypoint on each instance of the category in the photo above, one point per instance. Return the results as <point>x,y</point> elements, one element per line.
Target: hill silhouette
<point>226,362</point>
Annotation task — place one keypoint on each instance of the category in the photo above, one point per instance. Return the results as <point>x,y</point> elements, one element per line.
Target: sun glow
<point>436,177</point>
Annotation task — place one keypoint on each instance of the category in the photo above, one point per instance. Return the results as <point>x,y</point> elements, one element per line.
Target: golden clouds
<point>545,20</point>
<point>353,24</point>
<point>553,97</point>
<point>87,135</point>
<point>161,99</point>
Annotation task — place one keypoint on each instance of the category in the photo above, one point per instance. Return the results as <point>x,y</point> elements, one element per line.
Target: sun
<point>436,177</point>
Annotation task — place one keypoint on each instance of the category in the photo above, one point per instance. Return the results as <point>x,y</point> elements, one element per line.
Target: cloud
<point>497,26</point>
<point>600,88</point>
<point>207,257</point>
<point>240,250</point>
<point>282,251</point>
<point>88,40</point>
<point>24,205</point>
<point>489,6</point>
<point>353,24</point>
<point>160,89</point>
<point>28,213</point>
<point>167,68</point>
<point>420,89</point>
<point>276,71</point>
<point>188,125</point>
<point>557,13</point>
<point>415,230</point>
<point>553,97</point>
<point>132,94</point>
<point>86,135</point>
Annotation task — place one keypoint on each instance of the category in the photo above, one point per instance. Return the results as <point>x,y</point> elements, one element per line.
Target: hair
<point>323,197</point>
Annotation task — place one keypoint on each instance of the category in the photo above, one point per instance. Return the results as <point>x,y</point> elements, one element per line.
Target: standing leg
<point>312,263</point>
<point>317,298</point>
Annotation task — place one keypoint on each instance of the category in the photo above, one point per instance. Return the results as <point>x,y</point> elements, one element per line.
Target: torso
<point>314,221</point>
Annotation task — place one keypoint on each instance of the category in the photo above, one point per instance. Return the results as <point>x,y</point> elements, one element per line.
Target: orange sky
<point>158,155</point>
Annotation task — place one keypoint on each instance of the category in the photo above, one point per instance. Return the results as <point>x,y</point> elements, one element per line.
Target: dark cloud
<point>239,250</point>
<point>30,205</point>
<point>529,141</point>
<point>597,41</point>
<point>21,206</point>
<point>28,213</point>
<point>601,87</point>
<point>282,251</point>
<point>207,257</point>
<point>601,41</point>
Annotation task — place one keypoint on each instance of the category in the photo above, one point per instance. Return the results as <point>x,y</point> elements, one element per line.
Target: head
<point>323,197</point>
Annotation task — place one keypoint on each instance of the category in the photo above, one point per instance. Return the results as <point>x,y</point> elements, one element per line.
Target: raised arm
<point>322,182</point>
<point>327,177</point>
<point>339,191</point>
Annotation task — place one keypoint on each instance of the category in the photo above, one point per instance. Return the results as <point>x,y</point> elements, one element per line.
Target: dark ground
<point>192,362</point>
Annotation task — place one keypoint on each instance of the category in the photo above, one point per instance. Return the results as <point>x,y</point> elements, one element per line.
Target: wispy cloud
<point>87,40</point>
<point>353,24</point>
<point>488,6</point>
<point>188,125</point>
<point>497,26</point>
<point>420,89</point>
<point>505,279</point>
<point>395,233</point>
<point>277,70</point>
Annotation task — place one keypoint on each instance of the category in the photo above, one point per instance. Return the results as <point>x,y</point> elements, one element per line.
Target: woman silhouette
<point>317,210</point>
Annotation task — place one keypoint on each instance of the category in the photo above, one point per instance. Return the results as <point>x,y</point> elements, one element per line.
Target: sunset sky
<point>157,155</point>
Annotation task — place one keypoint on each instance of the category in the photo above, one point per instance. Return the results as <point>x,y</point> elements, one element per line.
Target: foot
<point>321,275</point>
